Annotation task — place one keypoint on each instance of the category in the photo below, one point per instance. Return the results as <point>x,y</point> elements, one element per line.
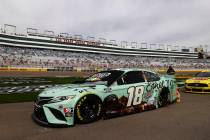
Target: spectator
<point>46,58</point>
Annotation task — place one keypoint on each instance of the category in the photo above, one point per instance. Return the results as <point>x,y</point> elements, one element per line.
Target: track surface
<point>187,120</point>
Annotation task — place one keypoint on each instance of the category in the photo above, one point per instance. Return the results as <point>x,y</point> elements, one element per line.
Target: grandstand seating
<point>11,56</point>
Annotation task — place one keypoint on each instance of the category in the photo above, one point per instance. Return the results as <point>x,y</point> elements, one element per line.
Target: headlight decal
<point>62,98</point>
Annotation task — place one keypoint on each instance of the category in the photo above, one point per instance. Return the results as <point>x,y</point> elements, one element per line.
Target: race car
<point>105,94</point>
<point>199,84</point>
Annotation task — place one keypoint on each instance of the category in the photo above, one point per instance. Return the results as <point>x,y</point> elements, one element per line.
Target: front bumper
<point>47,124</point>
<point>49,115</point>
<point>197,90</point>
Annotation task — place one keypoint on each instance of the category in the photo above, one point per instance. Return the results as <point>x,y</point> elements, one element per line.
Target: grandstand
<point>65,52</point>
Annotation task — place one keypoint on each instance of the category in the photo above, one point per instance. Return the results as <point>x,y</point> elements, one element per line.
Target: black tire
<point>88,109</point>
<point>163,97</point>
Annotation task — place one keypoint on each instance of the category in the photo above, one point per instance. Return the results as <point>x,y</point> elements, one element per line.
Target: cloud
<point>177,22</point>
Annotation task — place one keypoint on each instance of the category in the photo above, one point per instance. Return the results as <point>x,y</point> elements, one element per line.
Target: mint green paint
<point>81,90</point>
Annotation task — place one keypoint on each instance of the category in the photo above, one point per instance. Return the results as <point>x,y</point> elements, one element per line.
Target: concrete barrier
<point>8,69</point>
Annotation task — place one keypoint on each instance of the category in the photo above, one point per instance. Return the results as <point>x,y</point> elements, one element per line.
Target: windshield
<point>106,76</point>
<point>203,74</point>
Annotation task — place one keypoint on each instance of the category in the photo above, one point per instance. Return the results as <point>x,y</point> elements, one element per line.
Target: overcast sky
<point>176,22</point>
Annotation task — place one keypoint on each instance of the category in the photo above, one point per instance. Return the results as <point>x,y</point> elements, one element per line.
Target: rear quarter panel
<point>170,82</point>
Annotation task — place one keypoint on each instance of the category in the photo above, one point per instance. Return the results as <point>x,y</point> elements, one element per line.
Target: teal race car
<point>105,95</point>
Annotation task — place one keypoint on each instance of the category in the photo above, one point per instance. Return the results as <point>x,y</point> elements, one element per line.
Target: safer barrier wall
<point>180,74</point>
<point>9,69</point>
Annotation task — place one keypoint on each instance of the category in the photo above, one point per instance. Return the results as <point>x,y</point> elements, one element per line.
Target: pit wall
<point>13,69</point>
<point>180,74</point>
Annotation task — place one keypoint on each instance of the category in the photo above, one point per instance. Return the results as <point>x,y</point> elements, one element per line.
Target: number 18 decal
<point>135,95</point>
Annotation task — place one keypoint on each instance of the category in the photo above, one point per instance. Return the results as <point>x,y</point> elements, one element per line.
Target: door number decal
<point>135,95</point>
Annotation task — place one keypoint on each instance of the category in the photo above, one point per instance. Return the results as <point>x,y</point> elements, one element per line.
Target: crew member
<point>170,71</point>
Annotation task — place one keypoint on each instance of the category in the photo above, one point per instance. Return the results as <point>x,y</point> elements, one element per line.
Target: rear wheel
<point>88,109</point>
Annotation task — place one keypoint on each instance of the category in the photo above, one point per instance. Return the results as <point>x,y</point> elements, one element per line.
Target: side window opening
<point>120,81</point>
<point>131,77</point>
<point>151,76</point>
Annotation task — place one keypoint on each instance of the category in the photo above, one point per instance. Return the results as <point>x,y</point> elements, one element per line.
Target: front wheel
<point>88,109</point>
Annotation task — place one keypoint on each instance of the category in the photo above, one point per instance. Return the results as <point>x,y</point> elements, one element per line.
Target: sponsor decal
<point>81,90</point>
<point>60,107</point>
<point>107,90</point>
<point>200,78</point>
<point>78,108</point>
<point>68,112</point>
<point>76,42</point>
<point>148,95</point>
<point>154,85</point>
<point>99,76</point>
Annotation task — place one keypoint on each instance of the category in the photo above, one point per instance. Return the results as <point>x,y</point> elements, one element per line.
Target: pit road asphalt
<point>187,120</point>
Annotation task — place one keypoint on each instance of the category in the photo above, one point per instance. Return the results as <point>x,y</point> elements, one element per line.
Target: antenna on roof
<point>32,30</point>
<point>49,33</point>
<point>113,42</point>
<point>206,50</point>
<point>134,44</point>
<point>176,48</point>
<point>102,40</point>
<point>168,47</point>
<point>124,44</point>
<point>79,37</point>
<point>143,45</point>
<point>64,34</point>
<point>152,46</point>
<point>11,29</point>
<point>1,29</point>
<point>91,38</point>
<point>160,47</point>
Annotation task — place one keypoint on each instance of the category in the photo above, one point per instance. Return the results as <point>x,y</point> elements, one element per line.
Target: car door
<point>157,84</point>
<point>153,84</point>
<point>130,88</point>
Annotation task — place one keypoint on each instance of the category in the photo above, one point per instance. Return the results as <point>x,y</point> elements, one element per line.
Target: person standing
<point>170,71</point>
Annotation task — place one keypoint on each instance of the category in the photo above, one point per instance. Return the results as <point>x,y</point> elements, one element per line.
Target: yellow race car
<point>199,84</point>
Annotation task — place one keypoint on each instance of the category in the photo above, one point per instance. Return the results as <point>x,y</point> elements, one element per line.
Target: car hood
<point>70,89</point>
<point>198,80</point>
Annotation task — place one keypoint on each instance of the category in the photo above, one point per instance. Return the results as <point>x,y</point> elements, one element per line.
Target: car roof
<point>205,71</point>
<point>134,69</point>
